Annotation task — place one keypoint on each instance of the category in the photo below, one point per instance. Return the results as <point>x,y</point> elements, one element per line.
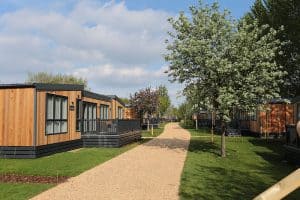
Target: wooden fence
<point>282,188</point>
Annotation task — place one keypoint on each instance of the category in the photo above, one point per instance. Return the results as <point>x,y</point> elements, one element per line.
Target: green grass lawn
<point>10,191</point>
<point>251,166</point>
<point>61,164</point>
<point>156,131</point>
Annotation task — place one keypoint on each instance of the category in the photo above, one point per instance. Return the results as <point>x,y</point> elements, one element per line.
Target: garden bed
<point>17,178</point>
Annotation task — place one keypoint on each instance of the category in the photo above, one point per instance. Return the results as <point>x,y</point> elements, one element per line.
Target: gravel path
<point>149,171</point>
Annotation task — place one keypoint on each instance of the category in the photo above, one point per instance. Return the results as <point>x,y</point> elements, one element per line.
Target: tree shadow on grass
<point>273,145</point>
<point>274,155</point>
<point>201,146</point>
<point>207,176</point>
<point>278,167</point>
<point>220,183</point>
<point>169,143</point>
<point>217,179</point>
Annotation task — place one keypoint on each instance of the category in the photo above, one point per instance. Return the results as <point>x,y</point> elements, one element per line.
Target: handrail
<point>112,127</point>
<point>282,188</point>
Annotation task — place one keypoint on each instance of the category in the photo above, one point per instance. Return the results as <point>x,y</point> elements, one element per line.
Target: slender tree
<point>226,65</point>
<point>164,100</point>
<point>185,111</point>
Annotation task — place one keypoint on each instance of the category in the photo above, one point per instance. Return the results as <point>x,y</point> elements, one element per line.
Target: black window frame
<point>120,113</point>
<point>102,108</point>
<point>78,120</point>
<point>84,104</point>
<point>53,120</point>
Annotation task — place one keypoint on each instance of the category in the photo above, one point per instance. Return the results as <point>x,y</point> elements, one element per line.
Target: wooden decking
<point>112,133</point>
<point>117,140</point>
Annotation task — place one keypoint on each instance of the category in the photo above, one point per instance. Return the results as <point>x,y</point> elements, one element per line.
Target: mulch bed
<point>16,178</point>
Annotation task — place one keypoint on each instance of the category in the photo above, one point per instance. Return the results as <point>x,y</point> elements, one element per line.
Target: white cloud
<point>121,77</point>
<point>110,45</point>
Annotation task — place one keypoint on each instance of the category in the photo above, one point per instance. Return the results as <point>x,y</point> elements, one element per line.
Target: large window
<point>89,117</point>
<point>120,113</point>
<point>56,114</point>
<point>78,114</point>
<point>104,111</point>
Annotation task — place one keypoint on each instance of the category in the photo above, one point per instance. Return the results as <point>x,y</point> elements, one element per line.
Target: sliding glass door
<point>89,117</point>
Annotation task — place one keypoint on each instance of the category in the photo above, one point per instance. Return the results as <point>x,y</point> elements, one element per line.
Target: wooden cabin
<point>130,113</point>
<point>111,129</point>
<point>38,119</point>
<point>41,119</point>
<point>274,120</point>
<point>270,121</point>
<point>118,107</point>
<point>91,107</point>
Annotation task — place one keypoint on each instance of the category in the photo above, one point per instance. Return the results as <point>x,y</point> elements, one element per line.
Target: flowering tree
<point>224,64</point>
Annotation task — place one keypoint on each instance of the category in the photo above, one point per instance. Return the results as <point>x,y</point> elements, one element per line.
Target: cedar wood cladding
<point>20,104</point>
<point>275,121</point>
<point>23,111</point>
<point>116,103</point>
<point>98,99</point>
<point>72,92</point>
<point>23,119</point>
<point>16,116</point>
<point>72,134</point>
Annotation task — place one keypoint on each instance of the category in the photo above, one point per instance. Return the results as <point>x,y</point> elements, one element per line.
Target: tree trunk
<point>223,147</point>
<point>213,120</point>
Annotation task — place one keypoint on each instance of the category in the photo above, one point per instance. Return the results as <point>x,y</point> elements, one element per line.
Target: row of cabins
<point>279,119</point>
<point>273,120</point>
<point>41,119</point>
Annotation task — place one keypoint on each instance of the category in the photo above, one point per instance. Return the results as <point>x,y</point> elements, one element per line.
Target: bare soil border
<point>17,178</point>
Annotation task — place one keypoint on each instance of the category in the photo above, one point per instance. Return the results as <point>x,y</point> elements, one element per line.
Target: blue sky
<point>116,45</point>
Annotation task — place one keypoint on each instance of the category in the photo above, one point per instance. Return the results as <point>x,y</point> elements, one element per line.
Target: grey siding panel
<point>35,152</point>
<point>86,141</point>
<point>110,140</point>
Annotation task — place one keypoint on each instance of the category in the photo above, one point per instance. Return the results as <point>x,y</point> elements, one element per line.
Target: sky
<point>118,46</point>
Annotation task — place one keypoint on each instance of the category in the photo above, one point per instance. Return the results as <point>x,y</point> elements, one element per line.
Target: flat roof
<point>278,101</point>
<point>45,86</point>
<point>117,98</point>
<point>93,95</point>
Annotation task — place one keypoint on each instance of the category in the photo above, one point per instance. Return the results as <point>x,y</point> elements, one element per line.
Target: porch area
<point>110,133</point>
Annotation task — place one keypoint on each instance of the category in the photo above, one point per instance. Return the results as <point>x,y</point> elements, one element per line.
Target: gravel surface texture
<point>149,171</point>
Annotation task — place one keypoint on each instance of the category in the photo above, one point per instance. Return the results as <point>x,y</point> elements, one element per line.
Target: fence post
<point>152,130</point>
<point>281,189</point>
